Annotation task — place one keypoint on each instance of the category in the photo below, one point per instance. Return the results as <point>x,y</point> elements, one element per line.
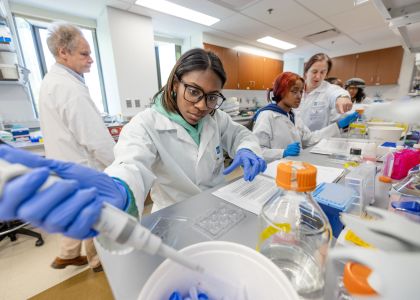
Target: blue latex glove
<point>292,149</point>
<point>70,206</point>
<point>251,163</point>
<point>347,120</point>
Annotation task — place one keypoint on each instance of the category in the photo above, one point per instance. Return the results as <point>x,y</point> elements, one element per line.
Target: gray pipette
<point>113,223</point>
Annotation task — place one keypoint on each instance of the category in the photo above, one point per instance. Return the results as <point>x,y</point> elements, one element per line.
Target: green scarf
<point>193,131</point>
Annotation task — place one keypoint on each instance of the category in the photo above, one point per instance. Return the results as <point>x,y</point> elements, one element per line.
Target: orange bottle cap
<point>385,179</point>
<point>297,176</point>
<point>360,111</point>
<point>355,279</point>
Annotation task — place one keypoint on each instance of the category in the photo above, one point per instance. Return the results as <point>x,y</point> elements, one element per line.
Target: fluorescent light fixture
<point>178,11</point>
<point>358,2</point>
<point>276,43</point>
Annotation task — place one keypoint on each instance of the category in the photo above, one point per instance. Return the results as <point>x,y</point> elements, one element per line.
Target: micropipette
<point>113,223</point>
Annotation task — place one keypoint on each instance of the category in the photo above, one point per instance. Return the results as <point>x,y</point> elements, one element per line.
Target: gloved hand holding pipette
<point>69,206</point>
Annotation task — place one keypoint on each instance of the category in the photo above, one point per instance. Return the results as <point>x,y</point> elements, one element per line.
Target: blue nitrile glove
<point>292,149</point>
<point>251,163</point>
<point>347,120</point>
<point>68,210</point>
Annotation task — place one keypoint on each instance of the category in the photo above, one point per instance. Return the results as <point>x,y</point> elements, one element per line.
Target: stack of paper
<point>249,195</point>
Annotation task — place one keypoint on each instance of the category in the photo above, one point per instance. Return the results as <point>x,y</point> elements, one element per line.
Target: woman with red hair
<point>279,131</point>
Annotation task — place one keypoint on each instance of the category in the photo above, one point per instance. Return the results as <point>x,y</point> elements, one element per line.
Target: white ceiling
<point>361,28</point>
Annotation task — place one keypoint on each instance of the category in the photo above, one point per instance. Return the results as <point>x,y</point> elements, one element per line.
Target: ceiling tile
<point>286,14</point>
<point>310,28</point>
<point>326,8</point>
<point>235,4</point>
<point>339,42</point>
<point>242,26</point>
<point>360,18</point>
<point>374,35</point>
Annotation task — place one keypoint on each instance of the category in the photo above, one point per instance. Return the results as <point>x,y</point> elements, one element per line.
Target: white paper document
<point>324,174</point>
<point>249,195</point>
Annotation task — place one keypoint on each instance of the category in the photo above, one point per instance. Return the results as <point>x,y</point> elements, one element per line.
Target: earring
<point>173,94</point>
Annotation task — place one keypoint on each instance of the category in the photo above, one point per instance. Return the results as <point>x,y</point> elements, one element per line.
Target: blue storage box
<point>334,198</point>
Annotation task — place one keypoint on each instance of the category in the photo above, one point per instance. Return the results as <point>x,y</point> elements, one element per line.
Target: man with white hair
<point>72,127</point>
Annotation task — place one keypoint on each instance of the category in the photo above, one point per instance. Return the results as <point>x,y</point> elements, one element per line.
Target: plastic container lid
<point>355,279</point>
<point>334,195</point>
<point>355,151</point>
<point>385,179</point>
<point>297,176</point>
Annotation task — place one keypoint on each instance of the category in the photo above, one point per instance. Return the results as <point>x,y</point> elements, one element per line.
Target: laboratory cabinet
<point>246,71</point>
<point>378,67</point>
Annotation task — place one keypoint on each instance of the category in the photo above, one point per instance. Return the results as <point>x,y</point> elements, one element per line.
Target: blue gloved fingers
<point>175,296</point>
<point>42,203</point>
<point>62,215</point>
<point>82,226</point>
<point>18,190</point>
<point>236,163</point>
<point>23,157</point>
<point>255,168</point>
<point>246,165</point>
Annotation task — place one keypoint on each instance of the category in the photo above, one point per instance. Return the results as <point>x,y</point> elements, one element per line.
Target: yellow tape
<point>271,230</point>
<point>355,239</point>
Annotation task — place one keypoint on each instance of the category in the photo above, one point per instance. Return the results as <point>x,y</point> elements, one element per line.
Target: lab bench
<point>37,148</point>
<point>127,273</point>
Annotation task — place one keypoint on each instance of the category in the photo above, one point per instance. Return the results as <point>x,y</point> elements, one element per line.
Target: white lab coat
<point>275,131</point>
<point>158,153</point>
<point>317,108</point>
<point>71,124</point>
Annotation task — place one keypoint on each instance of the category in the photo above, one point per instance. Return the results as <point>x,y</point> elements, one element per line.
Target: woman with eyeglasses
<point>177,145</point>
<point>280,132</point>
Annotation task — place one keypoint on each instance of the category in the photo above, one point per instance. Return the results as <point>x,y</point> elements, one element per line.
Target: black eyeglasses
<point>195,94</point>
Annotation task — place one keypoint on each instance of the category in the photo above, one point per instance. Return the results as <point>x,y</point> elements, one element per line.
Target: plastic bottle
<point>404,160</point>
<point>383,185</point>
<point>295,233</point>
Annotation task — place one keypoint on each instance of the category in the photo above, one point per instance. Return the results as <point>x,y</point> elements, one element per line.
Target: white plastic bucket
<point>385,133</point>
<point>234,263</point>
<point>371,124</point>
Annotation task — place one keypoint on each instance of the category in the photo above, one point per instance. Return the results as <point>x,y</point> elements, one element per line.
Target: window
<point>33,41</point>
<point>166,56</point>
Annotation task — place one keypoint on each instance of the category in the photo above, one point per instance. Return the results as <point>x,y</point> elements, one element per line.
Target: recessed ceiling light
<point>268,40</point>
<point>178,11</point>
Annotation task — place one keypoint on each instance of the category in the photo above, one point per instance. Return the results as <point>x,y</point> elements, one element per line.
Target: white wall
<point>126,46</point>
<point>294,65</point>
